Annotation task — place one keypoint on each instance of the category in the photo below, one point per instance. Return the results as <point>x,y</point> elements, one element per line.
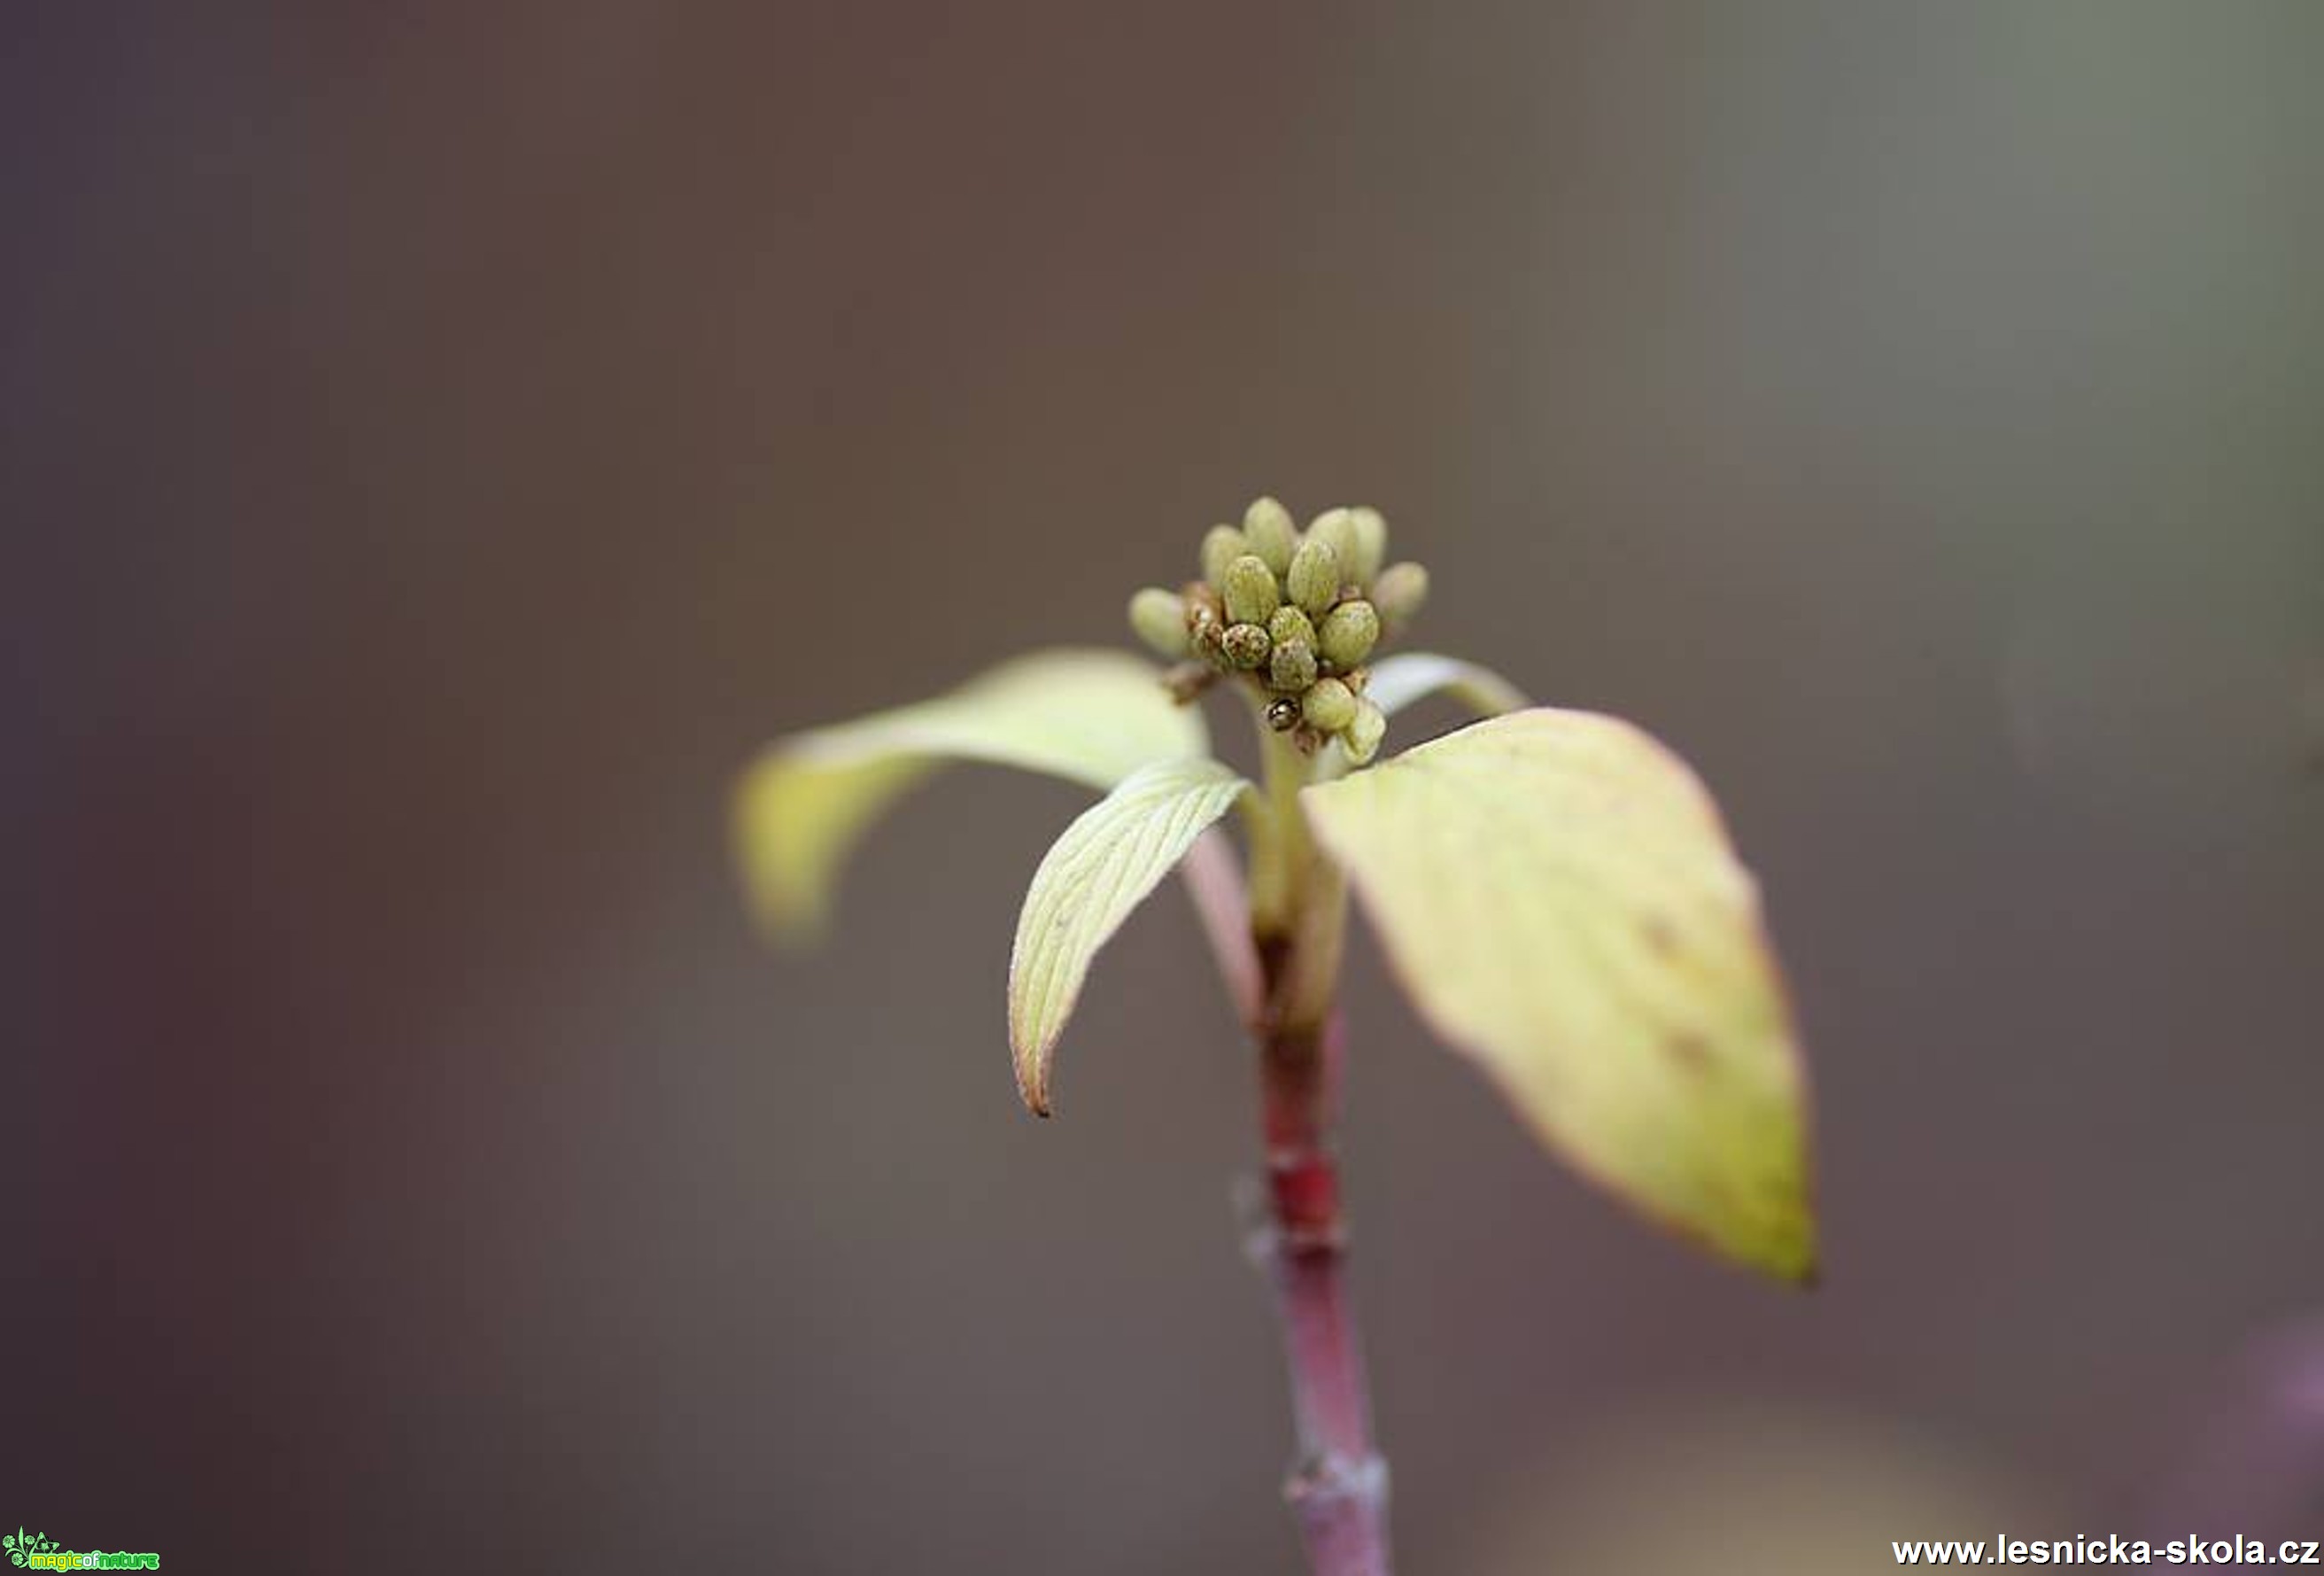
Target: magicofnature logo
<point>40,1554</point>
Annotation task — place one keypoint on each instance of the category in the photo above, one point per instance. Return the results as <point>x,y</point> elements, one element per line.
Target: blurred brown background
<point>438,444</point>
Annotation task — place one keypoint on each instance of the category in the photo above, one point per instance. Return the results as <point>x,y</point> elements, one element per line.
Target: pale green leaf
<point>1091,716</point>
<point>1101,868</point>
<point>1398,680</point>
<point>1557,894</point>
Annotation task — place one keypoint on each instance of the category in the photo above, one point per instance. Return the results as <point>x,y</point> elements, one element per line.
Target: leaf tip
<point>1033,1085</point>
<point>1785,1250</point>
<point>785,875</point>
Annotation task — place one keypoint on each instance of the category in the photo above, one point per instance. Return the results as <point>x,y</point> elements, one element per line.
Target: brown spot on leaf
<point>1661,936</point>
<point>1691,1051</point>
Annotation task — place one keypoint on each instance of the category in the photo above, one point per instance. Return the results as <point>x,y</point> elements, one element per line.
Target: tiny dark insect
<point>1283,715</point>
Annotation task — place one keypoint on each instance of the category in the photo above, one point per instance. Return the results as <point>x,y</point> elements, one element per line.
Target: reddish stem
<point>1297,1235</point>
<point>1339,1488</point>
<point>1215,882</point>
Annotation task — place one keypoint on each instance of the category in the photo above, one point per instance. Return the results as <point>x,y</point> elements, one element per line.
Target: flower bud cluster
<point>1293,615</point>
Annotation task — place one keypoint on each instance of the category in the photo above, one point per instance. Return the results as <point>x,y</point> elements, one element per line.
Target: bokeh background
<point>438,445</point>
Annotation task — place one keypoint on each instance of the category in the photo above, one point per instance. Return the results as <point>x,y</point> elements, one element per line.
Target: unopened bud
<point>1246,645</point>
<point>1365,731</point>
<point>1283,715</point>
<point>1269,529</point>
<point>1398,593</point>
<point>1159,617</point>
<point>1370,528</point>
<point>1249,590</point>
<point>1329,707</point>
<point>1221,545</point>
<point>1289,623</point>
<point>1348,633</point>
<point>1315,576</point>
<point>1291,667</point>
<point>1207,636</point>
<point>1336,528</point>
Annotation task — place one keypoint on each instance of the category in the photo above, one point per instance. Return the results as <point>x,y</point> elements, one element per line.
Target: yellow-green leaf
<point>1091,716</point>
<point>1398,680</point>
<point>1558,895</point>
<point>1101,868</point>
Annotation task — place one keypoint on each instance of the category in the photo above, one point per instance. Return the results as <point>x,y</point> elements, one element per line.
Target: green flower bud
<point>1336,528</point>
<point>1246,645</point>
<point>1365,731</point>
<point>1159,617</point>
<point>1273,535</point>
<point>1398,593</point>
<point>1315,576</point>
<point>1283,715</point>
<point>1249,590</point>
<point>1221,545</point>
<point>1348,633</point>
<point>1329,707</point>
<point>1292,667</point>
<point>1370,528</point>
<point>1289,623</point>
